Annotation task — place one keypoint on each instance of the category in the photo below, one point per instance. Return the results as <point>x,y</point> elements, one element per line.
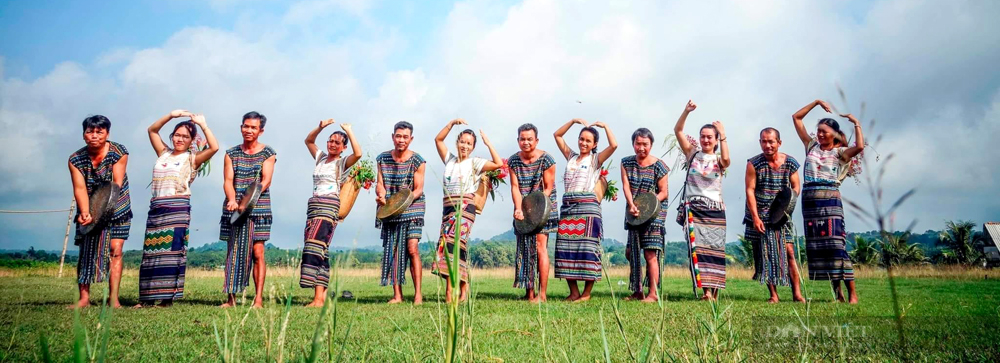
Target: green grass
<point>944,318</point>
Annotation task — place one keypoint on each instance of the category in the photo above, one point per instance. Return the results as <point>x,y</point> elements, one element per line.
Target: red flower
<point>368,185</point>
<point>604,172</point>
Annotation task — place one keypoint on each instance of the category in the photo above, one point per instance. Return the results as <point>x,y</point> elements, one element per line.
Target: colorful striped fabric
<point>649,236</point>
<point>94,262</point>
<point>826,235</point>
<point>238,263</point>
<point>395,258</point>
<point>706,232</point>
<point>164,249</point>
<point>529,179</point>
<point>246,170</point>
<point>398,176</point>
<point>446,244</point>
<point>578,242</point>
<point>321,223</point>
<point>823,167</point>
<point>770,257</point>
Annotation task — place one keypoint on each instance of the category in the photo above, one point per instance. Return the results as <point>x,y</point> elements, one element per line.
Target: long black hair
<point>833,124</point>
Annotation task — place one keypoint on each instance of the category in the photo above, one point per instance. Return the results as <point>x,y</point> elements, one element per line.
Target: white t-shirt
<point>463,177</point>
<point>824,166</point>
<point>327,176</point>
<point>581,175</point>
<point>704,177</point>
<point>173,174</point>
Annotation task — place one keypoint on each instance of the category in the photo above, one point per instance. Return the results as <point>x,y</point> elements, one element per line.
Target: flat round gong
<point>781,207</point>
<point>649,208</point>
<point>247,203</point>
<point>536,209</point>
<point>396,204</point>
<point>102,206</point>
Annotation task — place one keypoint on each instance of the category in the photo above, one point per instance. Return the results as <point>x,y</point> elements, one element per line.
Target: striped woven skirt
<point>770,259</point>
<point>239,242</point>
<point>705,229</point>
<point>164,249</point>
<point>578,240</point>
<point>95,249</point>
<point>395,257</point>
<point>826,236</point>
<point>526,257</point>
<point>322,214</point>
<point>640,238</point>
<point>449,226</point>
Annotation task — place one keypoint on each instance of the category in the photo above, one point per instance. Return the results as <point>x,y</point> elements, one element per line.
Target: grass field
<point>946,316</point>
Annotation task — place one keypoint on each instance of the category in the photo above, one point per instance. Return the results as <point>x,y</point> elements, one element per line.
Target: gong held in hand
<point>247,203</point>
<point>649,208</point>
<point>781,208</point>
<point>395,205</point>
<point>102,206</point>
<point>536,209</point>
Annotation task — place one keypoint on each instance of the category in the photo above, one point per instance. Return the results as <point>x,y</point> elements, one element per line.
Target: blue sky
<point>925,69</point>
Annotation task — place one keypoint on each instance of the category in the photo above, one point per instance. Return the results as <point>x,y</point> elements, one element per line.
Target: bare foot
<point>535,300</point>
<point>315,304</point>
<point>79,304</point>
<point>582,298</point>
<point>257,304</point>
<point>854,300</point>
<point>228,304</point>
<point>634,296</point>
<point>650,299</point>
<point>572,297</point>
<point>396,300</point>
<point>165,304</point>
<point>543,298</point>
<point>138,306</point>
<point>773,300</point>
<point>115,304</point>
<point>462,298</point>
<point>799,299</point>
<point>418,299</point>
<point>706,297</point>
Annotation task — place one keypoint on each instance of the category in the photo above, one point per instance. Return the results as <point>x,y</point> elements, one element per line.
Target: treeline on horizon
<point>866,248</point>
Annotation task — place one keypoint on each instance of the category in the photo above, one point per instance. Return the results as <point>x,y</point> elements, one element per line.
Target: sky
<point>925,71</point>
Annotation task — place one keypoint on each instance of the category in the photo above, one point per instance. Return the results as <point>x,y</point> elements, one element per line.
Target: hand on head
<point>180,113</point>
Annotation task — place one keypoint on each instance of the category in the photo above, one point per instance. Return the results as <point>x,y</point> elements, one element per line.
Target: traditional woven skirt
<point>526,259</point>
<point>826,236</point>
<point>769,255</point>
<point>705,229</point>
<point>164,249</point>
<point>321,221</point>
<point>578,241</point>
<point>95,249</point>
<point>239,242</point>
<point>449,226</point>
<point>640,238</point>
<point>395,257</point>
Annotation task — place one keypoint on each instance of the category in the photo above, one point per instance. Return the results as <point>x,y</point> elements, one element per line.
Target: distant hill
<point>509,236</point>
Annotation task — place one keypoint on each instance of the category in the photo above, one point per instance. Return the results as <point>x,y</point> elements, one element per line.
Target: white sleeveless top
<point>173,174</point>
<point>463,177</point>
<point>327,176</point>
<point>581,175</point>
<point>704,177</point>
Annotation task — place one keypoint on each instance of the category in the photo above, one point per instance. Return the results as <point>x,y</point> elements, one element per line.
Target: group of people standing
<point>577,222</point>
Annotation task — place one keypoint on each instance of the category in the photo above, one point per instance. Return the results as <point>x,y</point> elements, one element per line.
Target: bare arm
<point>663,189</point>
<point>154,129</point>
<point>227,185</point>
<point>549,180</point>
<point>799,115</point>
<point>213,145</point>
<point>379,186</point>
<point>852,151</point>
<point>266,171</point>
<point>751,188</point>
<point>80,193</point>
<point>418,181</point>
<point>685,145</point>
<point>355,146</point>
<point>612,144</point>
<point>796,185</point>
<point>497,161</point>
<point>311,137</point>
<point>515,195</point>
<point>723,145</point>
<point>118,171</point>
<point>627,188</point>
<point>442,148</point>
<point>566,151</point>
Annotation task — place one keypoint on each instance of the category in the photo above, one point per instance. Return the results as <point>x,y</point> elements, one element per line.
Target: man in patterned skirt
<point>531,170</point>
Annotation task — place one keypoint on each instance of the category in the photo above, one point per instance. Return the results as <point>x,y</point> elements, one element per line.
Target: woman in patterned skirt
<point>462,174</point>
<point>644,173</point>
<point>828,159</point>
<point>703,212</point>
<point>323,208</point>
<point>164,249</point>
<point>578,239</point>
<point>100,162</point>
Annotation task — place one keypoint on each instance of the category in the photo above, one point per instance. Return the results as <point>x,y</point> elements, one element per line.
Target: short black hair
<point>403,125</point>
<point>97,122</point>
<point>527,127</point>
<point>592,131</point>
<point>771,129</point>
<point>642,132</point>
<point>343,135</point>
<point>255,115</point>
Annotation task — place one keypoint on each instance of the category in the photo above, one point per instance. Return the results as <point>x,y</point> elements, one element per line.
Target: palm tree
<point>864,252</point>
<point>962,243</point>
<point>896,250</point>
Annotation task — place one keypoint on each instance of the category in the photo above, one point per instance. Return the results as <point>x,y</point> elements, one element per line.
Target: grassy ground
<point>950,316</point>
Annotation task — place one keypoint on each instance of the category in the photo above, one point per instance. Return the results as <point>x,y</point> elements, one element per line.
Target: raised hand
<point>599,124</point>
<point>346,127</point>
<point>325,123</point>
<point>179,113</point>
<point>458,121</point>
<point>579,121</point>
<point>691,106</point>
<point>851,118</point>
<point>198,119</point>
<point>722,130</point>
<point>486,140</point>
<point>824,105</point>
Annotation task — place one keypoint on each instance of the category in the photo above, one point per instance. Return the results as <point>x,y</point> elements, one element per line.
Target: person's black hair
<point>343,135</point>
<point>468,132</point>
<point>527,127</point>
<point>189,125</point>
<point>710,126</point>
<point>403,125</point>
<point>833,124</point>
<point>255,115</point>
<point>97,122</point>
<point>771,129</point>
<point>642,132</point>
<point>592,131</point>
